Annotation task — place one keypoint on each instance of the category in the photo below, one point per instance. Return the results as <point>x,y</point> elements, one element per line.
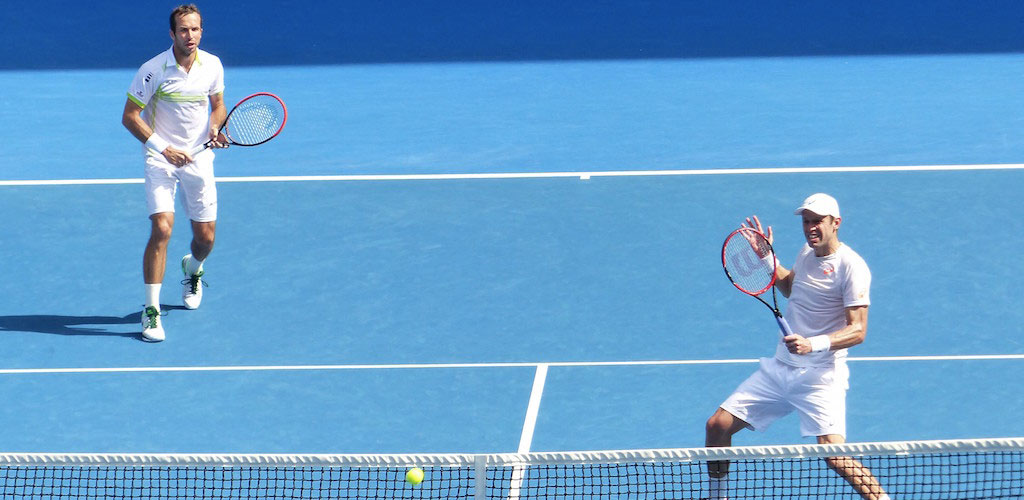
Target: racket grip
<point>784,326</point>
<point>200,149</point>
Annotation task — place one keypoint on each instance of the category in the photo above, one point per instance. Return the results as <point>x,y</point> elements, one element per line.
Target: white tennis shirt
<point>176,103</point>
<point>823,287</point>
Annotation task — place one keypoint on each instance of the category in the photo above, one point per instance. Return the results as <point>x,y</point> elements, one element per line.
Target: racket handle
<point>200,149</point>
<point>784,326</point>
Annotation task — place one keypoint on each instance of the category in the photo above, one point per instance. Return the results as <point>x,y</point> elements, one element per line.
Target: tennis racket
<point>253,121</point>
<point>749,263</point>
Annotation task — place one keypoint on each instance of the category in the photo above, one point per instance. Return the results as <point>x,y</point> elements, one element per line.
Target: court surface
<point>502,257</point>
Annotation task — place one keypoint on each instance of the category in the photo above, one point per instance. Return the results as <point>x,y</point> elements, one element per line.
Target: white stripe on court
<point>532,409</point>
<point>536,365</point>
<point>546,175</point>
<point>529,424</point>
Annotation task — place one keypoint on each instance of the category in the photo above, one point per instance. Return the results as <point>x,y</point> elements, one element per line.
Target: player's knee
<point>204,234</point>
<point>720,428</point>
<point>205,240</point>
<point>718,425</point>
<point>161,230</point>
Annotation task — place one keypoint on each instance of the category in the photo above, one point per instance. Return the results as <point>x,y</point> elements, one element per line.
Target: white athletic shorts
<point>198,189</point>
<point>817,394</point>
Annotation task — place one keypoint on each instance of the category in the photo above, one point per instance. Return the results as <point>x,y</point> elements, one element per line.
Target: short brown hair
<point>183,10</point>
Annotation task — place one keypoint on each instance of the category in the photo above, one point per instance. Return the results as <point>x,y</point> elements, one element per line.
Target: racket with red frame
<point>749,262</point>
<point>253,121</point>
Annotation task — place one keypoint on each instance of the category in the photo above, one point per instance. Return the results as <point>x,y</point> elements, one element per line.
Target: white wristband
<point>157,143</point>
<point>767,259</point>
<point>820,343</point>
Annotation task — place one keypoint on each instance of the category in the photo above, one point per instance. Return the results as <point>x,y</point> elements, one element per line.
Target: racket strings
<point>256,120</point>
<point>749,262</point>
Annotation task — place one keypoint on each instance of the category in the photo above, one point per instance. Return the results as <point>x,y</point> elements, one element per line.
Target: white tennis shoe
<point>192,286</point>
<point>152,330</point>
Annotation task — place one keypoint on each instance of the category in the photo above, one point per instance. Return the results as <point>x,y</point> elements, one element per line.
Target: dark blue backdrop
<point>120,34</point>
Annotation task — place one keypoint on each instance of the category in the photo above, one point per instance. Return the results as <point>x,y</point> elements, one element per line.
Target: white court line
<point>546,175</point>
<point>529,424</point>
<point>413,366</point>
<point>532,409</point>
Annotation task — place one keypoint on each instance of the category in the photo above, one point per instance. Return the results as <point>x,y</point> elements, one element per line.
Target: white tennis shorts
<point>817,394</point>
<point>198,189</point>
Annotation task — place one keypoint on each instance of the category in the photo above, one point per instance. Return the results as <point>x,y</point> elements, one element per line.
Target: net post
<point>480,477</point>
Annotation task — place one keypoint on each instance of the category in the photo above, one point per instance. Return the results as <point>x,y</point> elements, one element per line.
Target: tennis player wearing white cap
<point>828,290</point>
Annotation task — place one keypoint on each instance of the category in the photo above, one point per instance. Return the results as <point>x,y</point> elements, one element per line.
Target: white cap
<point>821,204</point>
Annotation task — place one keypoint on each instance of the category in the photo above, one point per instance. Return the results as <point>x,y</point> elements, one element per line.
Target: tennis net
<point>959,469</point>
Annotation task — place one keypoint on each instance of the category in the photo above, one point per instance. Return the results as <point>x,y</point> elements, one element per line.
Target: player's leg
<point>154,261</point>
<point>160,186</point>
<point>755,404</point>
<point>200,199</point>
<point>718,432</point>
<point>203,234</point>
<point>854,472</point>
<point>820,398</point>
<point>192,264</point>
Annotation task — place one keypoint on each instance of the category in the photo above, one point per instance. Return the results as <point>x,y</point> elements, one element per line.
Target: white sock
<point>153,295</point>
<point>717,487</point>
<point>192,265</point>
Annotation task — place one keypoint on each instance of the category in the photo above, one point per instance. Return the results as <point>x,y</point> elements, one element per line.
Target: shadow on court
<point>77,325</point>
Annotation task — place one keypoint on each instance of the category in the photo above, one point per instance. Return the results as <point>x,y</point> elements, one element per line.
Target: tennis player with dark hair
<point>175,104</point>
<point>829,294</point>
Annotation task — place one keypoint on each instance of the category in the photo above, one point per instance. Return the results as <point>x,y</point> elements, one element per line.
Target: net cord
<point>478,461</point>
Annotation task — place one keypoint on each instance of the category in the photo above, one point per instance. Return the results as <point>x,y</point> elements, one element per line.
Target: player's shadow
<point>78,325</point>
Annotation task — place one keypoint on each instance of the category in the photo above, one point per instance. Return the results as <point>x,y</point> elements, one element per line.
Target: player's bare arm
<point>783,280</point>
<point>850,335</point>
<point>132,120</point>
<point>218,114</point>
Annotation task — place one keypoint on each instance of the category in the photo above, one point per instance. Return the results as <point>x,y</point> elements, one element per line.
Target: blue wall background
<point>51,34</point>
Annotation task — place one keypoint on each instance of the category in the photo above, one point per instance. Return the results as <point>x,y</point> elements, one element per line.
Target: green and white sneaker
<point>192,286</point>
<point>152,330</point>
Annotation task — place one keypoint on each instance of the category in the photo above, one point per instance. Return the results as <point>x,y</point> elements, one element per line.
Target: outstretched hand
<point>754,223</point>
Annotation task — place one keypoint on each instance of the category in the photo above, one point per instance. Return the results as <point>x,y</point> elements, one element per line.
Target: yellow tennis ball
<point>414,476</point>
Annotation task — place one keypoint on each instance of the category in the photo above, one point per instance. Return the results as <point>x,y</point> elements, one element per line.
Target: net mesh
<point>966,469</point>
<point>749,262</point>
<point>255,120</point>
<point>219,482</point>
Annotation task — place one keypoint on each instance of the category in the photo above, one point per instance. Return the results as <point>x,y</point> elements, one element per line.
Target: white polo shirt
<point>176,103</point>
<point>823,287</point>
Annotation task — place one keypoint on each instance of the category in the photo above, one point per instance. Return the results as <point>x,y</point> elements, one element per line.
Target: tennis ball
<point>414,476</point>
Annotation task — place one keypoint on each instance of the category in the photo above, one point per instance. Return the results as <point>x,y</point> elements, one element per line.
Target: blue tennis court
<point>510,255</point>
